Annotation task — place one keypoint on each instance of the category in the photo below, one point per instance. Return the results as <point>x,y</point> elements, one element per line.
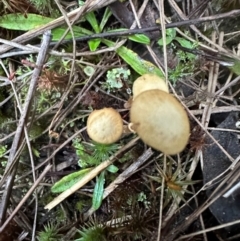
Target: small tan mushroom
<point>105,126</point>
<point>148,82</point>
<point>160,121</point>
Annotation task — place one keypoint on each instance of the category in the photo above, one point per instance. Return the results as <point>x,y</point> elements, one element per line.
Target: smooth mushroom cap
<point>160,121</point>
<point>148,82</point>
<point>105,126</point>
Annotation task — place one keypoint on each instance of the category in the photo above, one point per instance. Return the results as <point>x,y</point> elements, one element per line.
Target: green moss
<point>46,7</point>
<point>36,131</point>
<point>92,233</point>
<point>50,233</point>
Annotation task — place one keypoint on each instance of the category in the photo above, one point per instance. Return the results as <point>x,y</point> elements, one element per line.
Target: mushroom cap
<point>160,121</point>
<point>105,126</point>
<point>148,82</point>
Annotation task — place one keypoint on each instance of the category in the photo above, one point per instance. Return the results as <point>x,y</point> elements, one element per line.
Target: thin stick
<point>89,5</point>
<point>34,33</point>
<point>30,191</point>
<point>219,190</point>
<point>163,27</point>
<point>19,132</point>
<point>209,229</point>
<point>129,32</point>
<point>160,222</point>
<point>123,176</point>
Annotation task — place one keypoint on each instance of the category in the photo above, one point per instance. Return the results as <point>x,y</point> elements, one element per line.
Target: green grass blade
<point>16,21</point>
<point>112,168</point>
<point>140,65</point>
<point>91,18</point>
<point>98,191</point>
<point>140,38</point>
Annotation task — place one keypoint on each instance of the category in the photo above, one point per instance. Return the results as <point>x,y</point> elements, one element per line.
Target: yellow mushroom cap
<point>105,126</point>
<point>160,121</point>
<point>148,82</point>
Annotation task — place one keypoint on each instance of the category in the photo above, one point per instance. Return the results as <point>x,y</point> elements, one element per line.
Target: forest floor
<point>60,61</point>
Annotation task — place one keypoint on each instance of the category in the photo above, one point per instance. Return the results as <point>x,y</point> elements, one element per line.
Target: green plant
<point>139,197</point>
<point>140,65</point>
<point>116,78</point>
<point>142,197</point>
<point>171,35</point>
<point>49,88</point>
<point>89,156</point>
<point>82,204</point>
<point>184,68</point>
<point>7,124</point>
<point>94,153</point>
<point>134,227</point>
<point>50,233</point>
<point>69,180</point>
<point>92,231</point>
<point>91,18</point>
<point>3,149</point>
<point>46,7</point>
<point>91,234</point>
<point>175,183</point>
<point>186,61</point>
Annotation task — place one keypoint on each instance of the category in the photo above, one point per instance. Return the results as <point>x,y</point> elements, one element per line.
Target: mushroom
<point>148,82</point>
<point>160,121</point>
<point>105,126</point>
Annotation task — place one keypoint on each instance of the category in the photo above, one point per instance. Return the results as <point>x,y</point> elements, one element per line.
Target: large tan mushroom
<point>105,126</point>
<point>148,82</point>
<point>160,121</point>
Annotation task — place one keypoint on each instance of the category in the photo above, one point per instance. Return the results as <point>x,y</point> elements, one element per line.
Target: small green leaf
<point>79,30</point>
<point>107,14</point>
<point>171,32</point>
<point>170,35</point>
<point>35,152</point>
<point>98,191</point>
<point>15,21</point>
<point>69,180</point>
<point>112,168</point>
<point>93,44</point>
<point>168,41</point>
<point>185,43</point>
<point>3,149</point>
<point>140,38</point>
<point>236,67</point>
